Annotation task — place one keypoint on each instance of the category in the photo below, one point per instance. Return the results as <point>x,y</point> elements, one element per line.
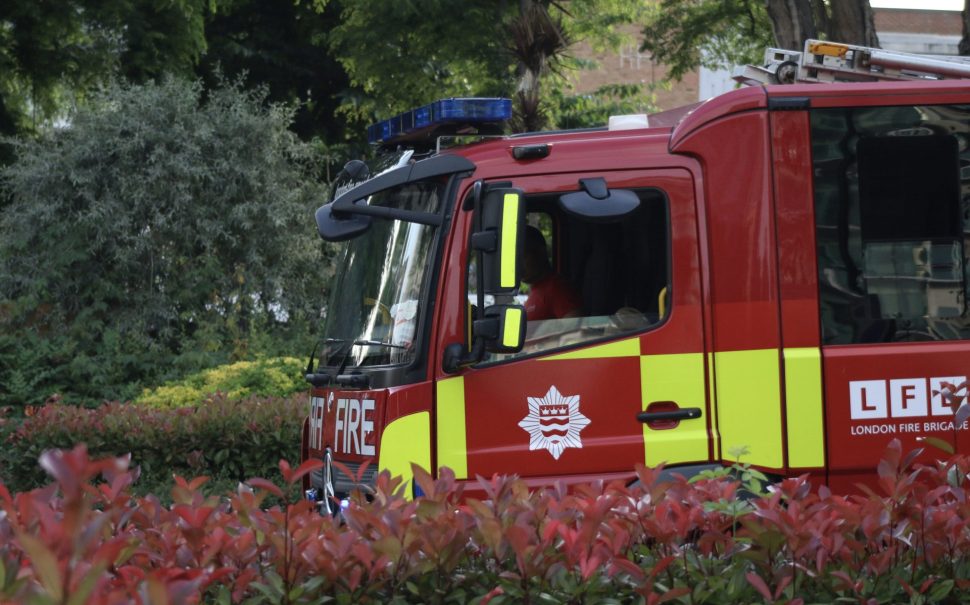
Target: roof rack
<point>823,61</point>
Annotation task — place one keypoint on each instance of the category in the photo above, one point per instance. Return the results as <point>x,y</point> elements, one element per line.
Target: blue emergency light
<point>446,116</point>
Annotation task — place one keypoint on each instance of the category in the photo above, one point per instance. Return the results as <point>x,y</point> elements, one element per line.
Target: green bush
<point>277,377</point>
<point>226,439</point>
<point>160,232</point>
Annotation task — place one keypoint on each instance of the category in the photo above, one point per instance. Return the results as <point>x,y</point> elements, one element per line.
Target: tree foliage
<point>397,53</point>
<point>52,53</point>
<point>158,233</point>
<point>401,54</point>
<point>709,33</point>
<point>687,34</point>
<point>163,227</point>
<point>281,45</point>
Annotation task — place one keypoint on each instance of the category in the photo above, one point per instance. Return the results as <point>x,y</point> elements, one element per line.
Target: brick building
<point>908,30</point>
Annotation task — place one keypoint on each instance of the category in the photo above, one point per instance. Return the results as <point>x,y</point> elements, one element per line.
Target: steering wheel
<point>385,312</point>
<point>911,336</point>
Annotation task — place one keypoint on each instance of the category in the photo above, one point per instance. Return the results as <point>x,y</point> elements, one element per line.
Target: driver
<point>550,296</point>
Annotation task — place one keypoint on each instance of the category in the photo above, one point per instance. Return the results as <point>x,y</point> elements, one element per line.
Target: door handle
<point>679,414</point>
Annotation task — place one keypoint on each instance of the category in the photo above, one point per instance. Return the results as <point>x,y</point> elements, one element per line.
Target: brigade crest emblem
<point>554,422</point>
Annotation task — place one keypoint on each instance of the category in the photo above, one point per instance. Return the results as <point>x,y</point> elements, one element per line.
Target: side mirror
<point>502,329</point>
<point>497,242</point>
<point>499,239</point>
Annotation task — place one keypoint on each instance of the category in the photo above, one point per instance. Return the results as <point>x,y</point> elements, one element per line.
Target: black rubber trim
<point>438,165</point>
<point>789,103</point>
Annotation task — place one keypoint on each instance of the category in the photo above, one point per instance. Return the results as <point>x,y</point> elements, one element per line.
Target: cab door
<point>625,380</point>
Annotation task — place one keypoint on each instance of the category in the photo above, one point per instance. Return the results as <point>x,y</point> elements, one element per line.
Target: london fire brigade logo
<point>554,422</point>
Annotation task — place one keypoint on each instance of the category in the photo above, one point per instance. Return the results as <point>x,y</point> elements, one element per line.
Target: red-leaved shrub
<point>86,539</point>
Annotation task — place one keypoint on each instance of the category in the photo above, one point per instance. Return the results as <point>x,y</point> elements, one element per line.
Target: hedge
<point>275,376</point>
<point>657,541</point>
<point>227,439</point>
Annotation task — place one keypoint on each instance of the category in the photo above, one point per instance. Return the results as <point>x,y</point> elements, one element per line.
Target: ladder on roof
<point>833,62</point>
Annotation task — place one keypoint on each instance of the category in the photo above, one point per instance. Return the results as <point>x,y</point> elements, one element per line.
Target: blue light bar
<point>446,116</point>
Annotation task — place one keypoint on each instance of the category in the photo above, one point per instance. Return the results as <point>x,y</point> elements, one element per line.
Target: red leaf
<point>625,565</point>
<point>306,468</point>
<point>759,584</point>
<point>286,471</point>
<point>673,594</point>
<point>265,484</point>
<point>423,479</point>
<point>195,517</point>
<point>44,562</point>
<point>491,595</point>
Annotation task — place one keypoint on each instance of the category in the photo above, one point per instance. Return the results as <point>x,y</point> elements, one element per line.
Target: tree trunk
<point>852,23</point>
<point>821,13</point>
<point>792,22</point>
<point>964,48</point>
<point>538,43</point>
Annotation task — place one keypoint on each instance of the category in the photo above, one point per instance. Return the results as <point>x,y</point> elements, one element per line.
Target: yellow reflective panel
<point>749,405</point>
<point>678,378</point>
<point>406,440</point>
<point>450,421</point>
<point>803,404</point>
<point>622,348</point>
<point>715,433</point>
<point>513,326</point>
<point>510,217</point>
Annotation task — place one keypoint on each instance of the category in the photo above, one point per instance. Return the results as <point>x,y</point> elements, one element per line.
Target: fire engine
<point>782,268</point>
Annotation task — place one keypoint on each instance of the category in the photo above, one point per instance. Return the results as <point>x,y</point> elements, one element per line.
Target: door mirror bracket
<point>501,329</point>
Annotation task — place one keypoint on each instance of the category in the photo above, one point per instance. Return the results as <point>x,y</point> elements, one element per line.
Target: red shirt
<point>551,298</point>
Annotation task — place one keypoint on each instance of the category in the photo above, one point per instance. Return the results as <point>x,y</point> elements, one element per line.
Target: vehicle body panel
<point>743,340</point>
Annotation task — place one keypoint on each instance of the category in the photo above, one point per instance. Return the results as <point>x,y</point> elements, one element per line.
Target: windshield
<point>375,302</point>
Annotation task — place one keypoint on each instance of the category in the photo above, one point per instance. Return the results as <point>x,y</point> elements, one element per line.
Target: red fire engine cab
<point>782,269</point>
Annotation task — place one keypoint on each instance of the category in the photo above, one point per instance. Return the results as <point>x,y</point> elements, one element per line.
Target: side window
<point>892,196</point>
<point>585,281</point>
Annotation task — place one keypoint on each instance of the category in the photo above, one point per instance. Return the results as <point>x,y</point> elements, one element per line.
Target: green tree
<point>53,54</point>
<point>687,34</point>
<point>156,234</point>
<point>402,54</point>
<point>713,33</point>
<point>282,45</point>
<point>398,53</point>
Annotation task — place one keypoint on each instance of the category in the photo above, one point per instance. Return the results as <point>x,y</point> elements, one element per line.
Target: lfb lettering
<point>353,424</point>
<point>900,397</point>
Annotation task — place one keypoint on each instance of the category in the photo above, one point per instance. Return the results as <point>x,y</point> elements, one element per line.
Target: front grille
<point>342,484</point>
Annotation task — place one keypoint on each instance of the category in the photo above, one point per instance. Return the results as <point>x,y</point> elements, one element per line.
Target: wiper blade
<point>377,343</point>
<point>342,353</point>
<point>320,379</point>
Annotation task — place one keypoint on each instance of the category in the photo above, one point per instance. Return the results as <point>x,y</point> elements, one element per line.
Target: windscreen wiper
<point>377,343</point>
<point>353,380</point>
<point>322,379</point>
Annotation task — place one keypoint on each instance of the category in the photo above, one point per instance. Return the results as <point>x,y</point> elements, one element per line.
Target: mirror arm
<point>343,209</point>
<point>456,357</point>
<point>488,328</point>
<point>485,241</point>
